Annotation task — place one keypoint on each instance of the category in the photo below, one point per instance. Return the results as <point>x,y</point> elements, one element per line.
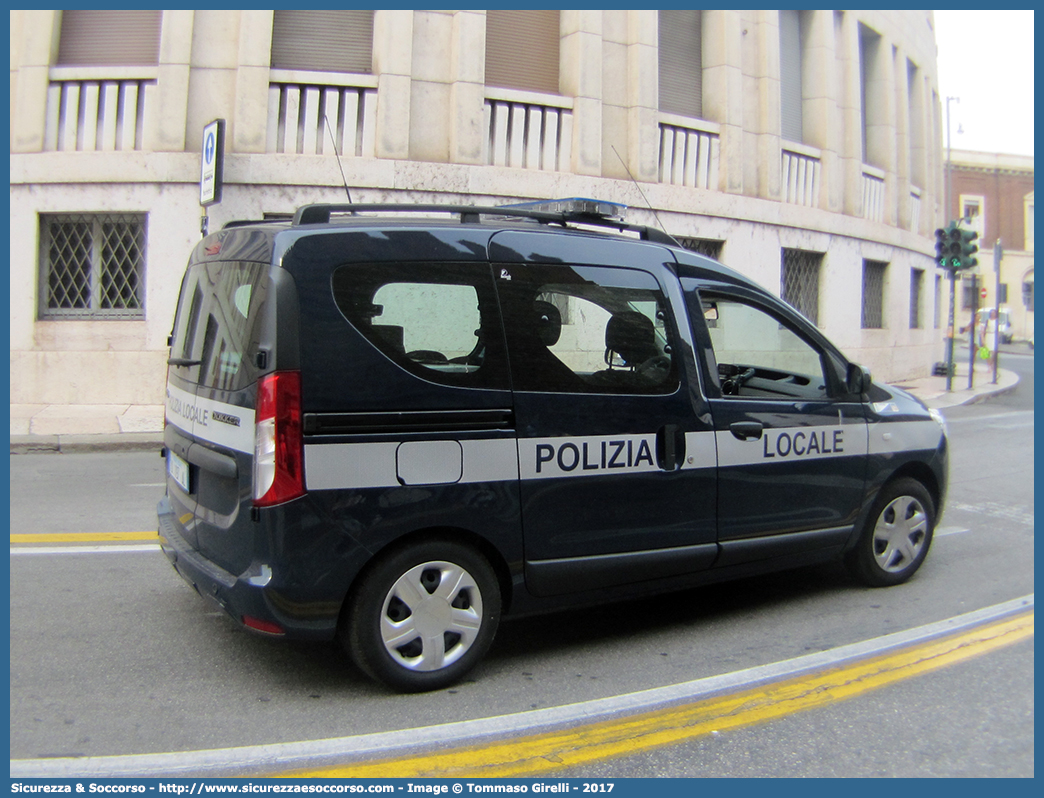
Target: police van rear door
<point>211,391</point>
<point>617,470</point>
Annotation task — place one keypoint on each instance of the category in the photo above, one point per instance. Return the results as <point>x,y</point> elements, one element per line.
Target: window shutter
<point>109,38</point>
<point>323,41</point>
<point>790,74</point>
<point>681,62</point>
<point>522,50</point>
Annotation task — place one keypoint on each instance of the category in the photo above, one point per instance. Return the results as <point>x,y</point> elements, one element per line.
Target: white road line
<point>1015,414</point>
<point>279,757</point>
<point>943,531</point>
<point>106,549</point>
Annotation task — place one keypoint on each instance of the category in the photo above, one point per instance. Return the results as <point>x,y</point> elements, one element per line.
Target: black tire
<point>423,616</point>
<point>897,535</point>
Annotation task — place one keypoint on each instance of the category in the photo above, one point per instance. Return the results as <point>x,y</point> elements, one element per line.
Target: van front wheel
<point>897,535</point>
<point>424,616</point>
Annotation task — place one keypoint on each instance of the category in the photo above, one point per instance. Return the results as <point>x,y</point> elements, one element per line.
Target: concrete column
<point>250,114</point>
<point>34,42</point>
<point>851,111</point>
<point>767,121</point>
<point>820,111</point>
<point>167,118</point>
<point>903,138</point>
<point>723,34</point>
<point>431,87</point>
<point>467,97</point>
<point>643,96</point>
<point>393,65</point>
<point>882,129</point>
<point>581,78</point>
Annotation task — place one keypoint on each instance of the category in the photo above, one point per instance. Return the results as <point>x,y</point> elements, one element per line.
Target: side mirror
<point>858,379</point>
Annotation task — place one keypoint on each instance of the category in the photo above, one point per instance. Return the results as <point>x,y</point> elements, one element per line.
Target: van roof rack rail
<point>320,213</point>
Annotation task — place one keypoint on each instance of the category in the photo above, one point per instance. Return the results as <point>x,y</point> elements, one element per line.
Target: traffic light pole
<point>951,329</point>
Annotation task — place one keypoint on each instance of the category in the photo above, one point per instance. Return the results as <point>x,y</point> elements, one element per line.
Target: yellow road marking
<point>81,537</point>
<point>570,748</point>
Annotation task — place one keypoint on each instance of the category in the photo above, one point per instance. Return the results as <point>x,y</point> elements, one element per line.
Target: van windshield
<point>216,329</point>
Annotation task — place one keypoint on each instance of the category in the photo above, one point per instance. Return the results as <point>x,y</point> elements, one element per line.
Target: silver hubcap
<point>431,616</point>
<point>900,534</point>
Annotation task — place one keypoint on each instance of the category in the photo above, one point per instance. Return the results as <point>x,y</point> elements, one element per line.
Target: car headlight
<point>938,418</point>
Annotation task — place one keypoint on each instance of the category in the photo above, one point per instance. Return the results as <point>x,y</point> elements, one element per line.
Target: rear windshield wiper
<point>182,361</point>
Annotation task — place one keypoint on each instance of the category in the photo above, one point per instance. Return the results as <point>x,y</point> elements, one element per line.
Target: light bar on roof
<point>575,207</point>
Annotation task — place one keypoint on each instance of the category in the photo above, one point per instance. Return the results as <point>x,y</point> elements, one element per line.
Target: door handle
<point>670,446</point>
<point>746,430</point>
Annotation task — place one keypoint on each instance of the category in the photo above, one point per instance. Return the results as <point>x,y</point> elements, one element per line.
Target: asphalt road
<point>111,653</point>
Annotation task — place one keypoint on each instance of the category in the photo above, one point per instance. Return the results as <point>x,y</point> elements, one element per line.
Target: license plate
<point>178,470</point>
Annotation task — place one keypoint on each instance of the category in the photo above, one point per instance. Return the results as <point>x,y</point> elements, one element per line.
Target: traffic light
<point>955,248</point>
<point>968,249</point>
<point>948,247</point>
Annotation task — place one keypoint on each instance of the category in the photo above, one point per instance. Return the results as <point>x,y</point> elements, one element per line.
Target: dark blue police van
<point>392,425</point>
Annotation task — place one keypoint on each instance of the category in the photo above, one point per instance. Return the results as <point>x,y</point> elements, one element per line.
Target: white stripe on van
<point>220,423</point>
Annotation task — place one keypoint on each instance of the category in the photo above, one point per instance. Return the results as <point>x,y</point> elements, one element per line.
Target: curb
<point>67,444</point>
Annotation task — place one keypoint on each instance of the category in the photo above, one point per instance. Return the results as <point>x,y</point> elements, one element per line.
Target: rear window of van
<point>216,328</point>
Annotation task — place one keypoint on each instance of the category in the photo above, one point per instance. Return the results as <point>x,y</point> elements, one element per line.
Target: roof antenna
<point>329,128</point>
<point>651,208</point>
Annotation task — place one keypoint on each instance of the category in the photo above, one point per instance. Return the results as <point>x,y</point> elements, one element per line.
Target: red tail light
<point>278,448</point>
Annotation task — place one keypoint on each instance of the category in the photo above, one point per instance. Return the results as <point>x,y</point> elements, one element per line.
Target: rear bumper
<point>252,593</point>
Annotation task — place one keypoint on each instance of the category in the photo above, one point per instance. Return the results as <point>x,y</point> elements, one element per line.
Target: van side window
<point>753,353</point>
<point>587,330</point>
<point>436,323</point>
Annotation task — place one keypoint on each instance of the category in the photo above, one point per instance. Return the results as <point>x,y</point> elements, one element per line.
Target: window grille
<point>916,281</point>
<point>873,294</point>
<point>92,265</point>
<point>704,246</point>
<point>799,282</point>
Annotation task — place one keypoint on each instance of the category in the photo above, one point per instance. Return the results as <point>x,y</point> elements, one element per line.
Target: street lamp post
<point>951,324</point>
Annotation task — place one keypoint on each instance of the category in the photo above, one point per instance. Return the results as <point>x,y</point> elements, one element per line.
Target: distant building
<point>996,193</point>
<point>800,147</point>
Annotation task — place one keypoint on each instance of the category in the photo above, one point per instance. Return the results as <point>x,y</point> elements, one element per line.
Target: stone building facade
<point>800,147</point>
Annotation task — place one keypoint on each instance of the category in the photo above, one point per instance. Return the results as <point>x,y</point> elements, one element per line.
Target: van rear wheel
<point>424,616</point>
<point>897,535</point>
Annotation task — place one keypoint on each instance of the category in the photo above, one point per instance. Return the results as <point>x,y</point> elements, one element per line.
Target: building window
<point>681,62</point>
<point>973,208</point>
<point>872,91</point>
<point>1027,292</point>
<point>873,294</point>
<point>799,282</point>
<point>323,41</point>
<point>522,50</point>
<point>92,266</point>
<point>707,247</point>
<point>1027,220</point>
<point>916,284</point>
<point>969,294</point>
<point>791,55</point>
<point>109,38</point>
